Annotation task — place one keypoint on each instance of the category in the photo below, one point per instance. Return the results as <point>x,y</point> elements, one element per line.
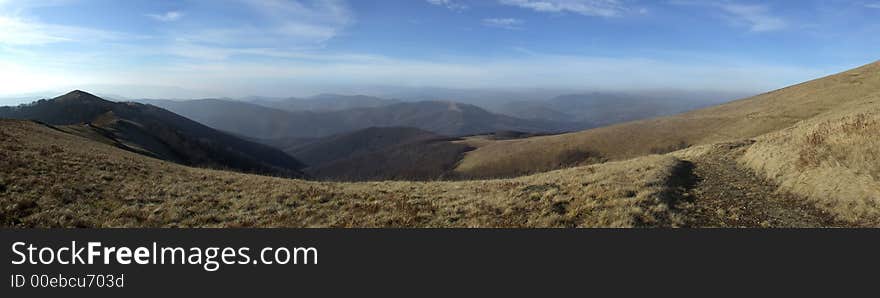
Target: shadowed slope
<point>382,153</point>
<point>355,143</point>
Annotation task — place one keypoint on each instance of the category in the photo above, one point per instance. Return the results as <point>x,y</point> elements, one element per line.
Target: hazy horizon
<point>485,98</point>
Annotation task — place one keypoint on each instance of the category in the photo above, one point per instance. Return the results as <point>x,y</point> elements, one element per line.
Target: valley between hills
<point>802,156</point>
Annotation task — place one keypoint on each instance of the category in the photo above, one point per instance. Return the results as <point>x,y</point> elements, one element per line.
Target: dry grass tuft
<point>834,160</point>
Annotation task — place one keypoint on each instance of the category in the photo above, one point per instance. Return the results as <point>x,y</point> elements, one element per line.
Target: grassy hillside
<point>154,132</point>
<point>832,160</point>
<point>740,119</point>
<point>49,178</point>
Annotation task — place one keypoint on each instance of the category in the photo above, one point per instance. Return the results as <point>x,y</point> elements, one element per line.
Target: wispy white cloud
<point>504,23</point>
<point>757,17</point>
<point>874,5</point>
<point>170,16</point>
<point>219,53</point>
<point>17,31</point>
<point>600,8</point>
<point>288,28</point>
<point>19,5</point>
<point>313,21</point>
<point>450,4</point>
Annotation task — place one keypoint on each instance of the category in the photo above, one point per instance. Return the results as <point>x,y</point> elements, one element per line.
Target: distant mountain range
<point>598,109</point>
<point>441,117</point>
<point>325,103</point>
<point>155,132</point>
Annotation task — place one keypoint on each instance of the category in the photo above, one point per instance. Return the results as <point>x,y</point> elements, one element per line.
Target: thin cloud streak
<point>449,4</point>
<point>22,32</point>
<point>756,17</point>
<point>504,23</point>
<point>170,16</point>
<point>599,8</point>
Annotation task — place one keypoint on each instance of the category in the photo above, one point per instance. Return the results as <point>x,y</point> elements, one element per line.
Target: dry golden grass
<point>740,119</point>
<point>833,160</point>
<point>54,179</point>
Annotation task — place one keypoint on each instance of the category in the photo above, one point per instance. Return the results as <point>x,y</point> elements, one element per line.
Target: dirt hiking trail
<point>722,194</point>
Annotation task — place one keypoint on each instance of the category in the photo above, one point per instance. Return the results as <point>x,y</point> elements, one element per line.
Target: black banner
<point>415,263</point>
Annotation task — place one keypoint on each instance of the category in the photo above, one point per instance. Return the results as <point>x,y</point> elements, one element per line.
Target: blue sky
<point>292,48</point>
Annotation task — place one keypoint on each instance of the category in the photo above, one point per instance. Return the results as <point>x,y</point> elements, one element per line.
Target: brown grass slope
<point>832,160</point>
<point>746,118</point>
<point>49,178</point>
